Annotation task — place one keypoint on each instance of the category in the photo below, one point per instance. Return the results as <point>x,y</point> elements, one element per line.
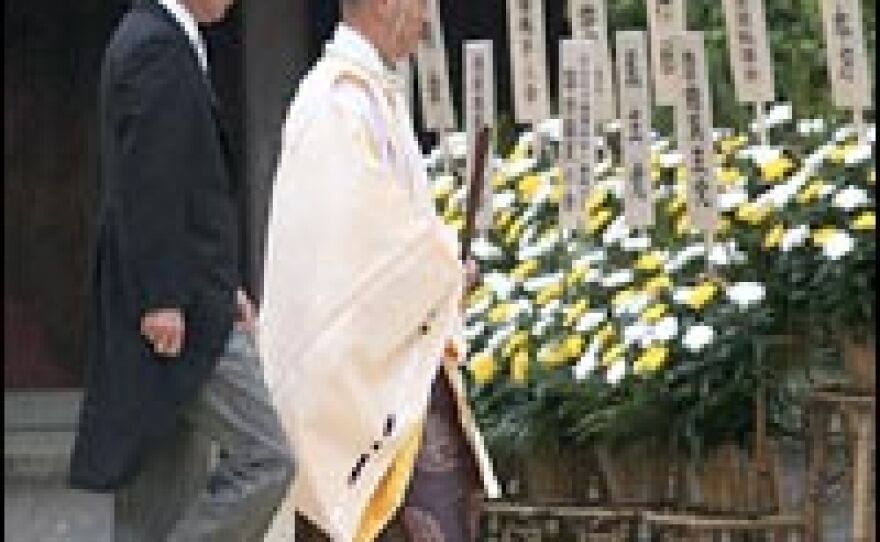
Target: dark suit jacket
<point>168,238</point>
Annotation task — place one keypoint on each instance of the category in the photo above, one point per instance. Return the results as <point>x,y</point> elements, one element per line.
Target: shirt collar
<point>356,47</point>
<point>190,27</point>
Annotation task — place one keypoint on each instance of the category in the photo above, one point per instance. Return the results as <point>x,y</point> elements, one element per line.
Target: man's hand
<point>164,329</point>
<point>245,313</point>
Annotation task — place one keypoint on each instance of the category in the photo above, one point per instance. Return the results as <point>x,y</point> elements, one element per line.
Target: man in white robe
<point>361,325</point>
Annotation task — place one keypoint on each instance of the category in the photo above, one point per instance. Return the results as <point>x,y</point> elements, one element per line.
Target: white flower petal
<point>698,337</point>
<point>745,294</point>
<point>850,198</point>
<point>616,372</point>
<point>838,245</point>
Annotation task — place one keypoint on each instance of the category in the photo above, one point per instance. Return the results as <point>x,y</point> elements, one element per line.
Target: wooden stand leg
<point>862,531</point>
<point>815,466</point>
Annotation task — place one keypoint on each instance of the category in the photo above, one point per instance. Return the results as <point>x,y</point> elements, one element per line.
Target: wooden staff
<point>475,191</point>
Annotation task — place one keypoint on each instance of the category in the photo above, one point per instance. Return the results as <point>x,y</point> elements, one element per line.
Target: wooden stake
<point>761,119</point>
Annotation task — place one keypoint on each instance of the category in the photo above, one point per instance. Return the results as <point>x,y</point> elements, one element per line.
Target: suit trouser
<point>254,466</point>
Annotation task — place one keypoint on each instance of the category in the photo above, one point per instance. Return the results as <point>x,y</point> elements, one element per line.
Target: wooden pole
<point>761,119</point>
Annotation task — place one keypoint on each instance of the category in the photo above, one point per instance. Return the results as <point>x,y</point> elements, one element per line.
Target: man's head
<point>393,26</point>
<point>208,11</point>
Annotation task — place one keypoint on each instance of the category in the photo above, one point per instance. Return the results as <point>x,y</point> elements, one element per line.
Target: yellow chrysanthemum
<point>655,312</point>
<point>482,368</point>
<point>573,346</point>
<point>729,145</point>
<point>441,191</point>
<point>702,294</point>
<point>683,225</point>
<point>499,180</point>
<point>810,192</point>
<point>655,284</point>
<point>865,221</point>
<point>650,261</point>
<point>514,342</point>
<point>722,227</point>
<point>479,295</point>
<point>524,270</point>
<point>513,231</point>
<point>575,311</point>
<point>774,170</point>
<point>838,153</point>
<point>680,174</point>
<point>597,198</point>
<point>519,367</point>
<point>655,174</point>
<point>774,236</point>
<point>501,313</point>
<point>612,354</point>
<point>528,186</point>
<point>651,359</point>
<point>729,176</point>
<point>752,213</point>
<point>502,218</point>
<point>556,193</point>
<point>577,274</point>
<point>623,296</point>
<point>597,221</point>
<point>519,152</point>
<point>823,234</point>
<point>605,334</point>
<point>872,176</point>
<point>548,293</point>
<point>457,224</point>
<point>550,233</point>
<point>676,204</point>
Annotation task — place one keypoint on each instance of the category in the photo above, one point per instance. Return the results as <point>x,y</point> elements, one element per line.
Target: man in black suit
<point>173,327</point>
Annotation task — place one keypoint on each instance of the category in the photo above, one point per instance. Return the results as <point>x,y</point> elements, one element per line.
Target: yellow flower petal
<point>515,341</point>
<point>655,312</point>
<point>650,261</point>
<point>548,293</point>
<point>501,313</point>
<point>658,283</point>
<point>612,354</point>
<point>701,295</point>
<point>596,198</point>
<point>865,221</point>
<point>774,236</point>
<point>597,221</point>
<point>821,235</point>
<point>573,346</point>
<point>604,334</point>
<point>575,311</point>
<point>482,367</point>
<point>729,176</point>
<point>524,270</point>
<point>528,187</point>
<point>623,296</point>
<point>651,359</point>
<point>519,367</point>
<point>776,169</point>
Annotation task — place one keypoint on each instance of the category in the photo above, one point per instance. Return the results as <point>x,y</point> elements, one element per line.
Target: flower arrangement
<point>613,335</point>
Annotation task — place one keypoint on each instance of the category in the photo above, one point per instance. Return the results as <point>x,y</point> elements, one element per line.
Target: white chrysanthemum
<point>635,305</point>
<point>587,363</point>
<point>665,329</point>
<point>500,284</point>
<point>670,159</point>
<point>551,309</point>
<point>590,321</point>
<point>682,294</point>
<point>536,283</point>
<point>659,145</point>
<point>745,294</point>
<point>499,337</point>
<point>528,235</point>
<point>810,126</point>
<point>479,308</point>
<point>851,197</point>
<point>722,253</point>
<point>545,244</point>
<point>474,330</point>
<point>618,278</point>
<point>698,337</point>
<point>794,237</point>
<point>858,155</point>
<point>636,244</point>
<point>616,372</point>
<point>502,200</point>
<point>615,231</point>
<point>515,168</point>
<point>484,250</point>
<point>684,256</point>
<point>541,327</point>
<point>732,198</point>
<point>838,245</point>
<point>636,333</point>
<point>760,154</point>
